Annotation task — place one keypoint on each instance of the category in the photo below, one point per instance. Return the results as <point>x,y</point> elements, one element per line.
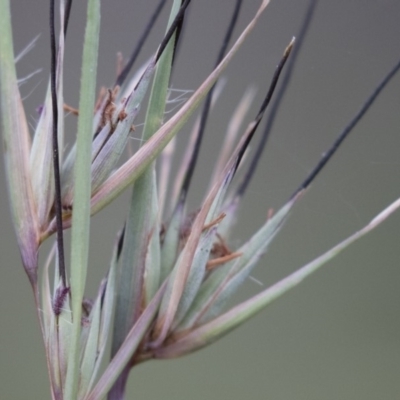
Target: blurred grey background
<point>337,336</point>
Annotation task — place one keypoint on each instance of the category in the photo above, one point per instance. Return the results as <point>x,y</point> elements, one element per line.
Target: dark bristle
<point>207,105</point>
<point>254,124</point>
<point>332,150</point>
<point>120,242</point>
<point>56,162</point>
<point>66,15</point>
<point>244,184</point>
<point>177,37</point>
<point>124,73</point>
<point>175,24</point>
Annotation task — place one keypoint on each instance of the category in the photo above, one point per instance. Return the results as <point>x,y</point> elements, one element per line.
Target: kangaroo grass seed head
<point>173,270</point>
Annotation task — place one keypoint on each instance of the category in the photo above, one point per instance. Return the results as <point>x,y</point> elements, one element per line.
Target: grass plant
<point>174,271</point>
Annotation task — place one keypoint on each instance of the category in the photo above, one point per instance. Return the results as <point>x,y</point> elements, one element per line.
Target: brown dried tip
<point>214,222</point>
<point>72,110</point>
<point>109,108</point>
<point>221,260</point>
<point>221,254</point>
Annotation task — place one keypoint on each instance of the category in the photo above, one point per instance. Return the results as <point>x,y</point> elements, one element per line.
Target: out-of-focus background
<point>337,336</point>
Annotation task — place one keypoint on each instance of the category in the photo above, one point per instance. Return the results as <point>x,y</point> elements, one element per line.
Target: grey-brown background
<point>337,335</point>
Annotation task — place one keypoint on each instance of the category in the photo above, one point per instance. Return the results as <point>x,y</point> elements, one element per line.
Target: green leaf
<point>138,230</point>
<point>16,147</point>
<point>152,274</point>
<point>106,315</point>
<point>82,192</point>
<point>141,233</point>
<point>196,274</point>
